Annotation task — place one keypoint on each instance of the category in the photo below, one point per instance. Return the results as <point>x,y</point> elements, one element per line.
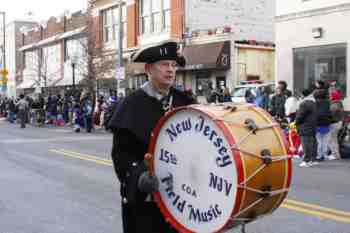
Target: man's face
<point>278,90</point>
<point>162,73</point>
<point>280,86</point>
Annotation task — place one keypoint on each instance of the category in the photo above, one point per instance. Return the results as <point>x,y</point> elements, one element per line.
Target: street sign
<point>4,80</point>
<point>4,72</point>
<point>3,77</point>
<point>120,74</point>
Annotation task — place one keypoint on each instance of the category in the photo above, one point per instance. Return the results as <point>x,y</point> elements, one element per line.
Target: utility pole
<point>4,38</point>
<point>4,70</point>
<point>120,68</point>
<point>120,44</point>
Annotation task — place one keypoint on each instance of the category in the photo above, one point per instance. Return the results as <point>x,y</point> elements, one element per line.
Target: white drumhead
<point>197,172</point>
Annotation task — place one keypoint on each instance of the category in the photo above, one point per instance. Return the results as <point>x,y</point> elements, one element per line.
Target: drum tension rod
<point>230,108</point>
<point>266,156</point>
<point>251,125</point>
<point>265,159</point>
<point>262,193</point>
<point>265,191</point>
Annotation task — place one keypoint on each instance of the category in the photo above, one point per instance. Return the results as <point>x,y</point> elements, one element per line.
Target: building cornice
<point>312,13</point>
<point>255,47</point>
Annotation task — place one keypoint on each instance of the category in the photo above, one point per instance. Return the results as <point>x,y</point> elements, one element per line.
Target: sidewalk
<point>95,130</point>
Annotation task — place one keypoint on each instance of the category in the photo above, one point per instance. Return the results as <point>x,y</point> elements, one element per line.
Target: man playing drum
<point>132,125</point>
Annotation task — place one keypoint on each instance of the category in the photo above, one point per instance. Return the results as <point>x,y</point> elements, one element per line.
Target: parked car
<point>238,93</point>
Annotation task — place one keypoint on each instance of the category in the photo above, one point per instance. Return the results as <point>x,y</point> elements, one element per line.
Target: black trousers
<point>309,144</point>
<point>22,117</point>
<point>144,217</point>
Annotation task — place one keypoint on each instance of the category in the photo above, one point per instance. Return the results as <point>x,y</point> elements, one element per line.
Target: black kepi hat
<point>163,51</point>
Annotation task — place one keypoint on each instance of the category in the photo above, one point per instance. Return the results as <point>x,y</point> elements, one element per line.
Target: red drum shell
<point>259,188</point>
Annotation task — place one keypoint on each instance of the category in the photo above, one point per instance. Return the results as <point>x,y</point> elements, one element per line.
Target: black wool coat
<point>132,124</point>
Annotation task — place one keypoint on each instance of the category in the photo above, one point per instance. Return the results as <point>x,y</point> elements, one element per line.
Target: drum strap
<point>167,103</point>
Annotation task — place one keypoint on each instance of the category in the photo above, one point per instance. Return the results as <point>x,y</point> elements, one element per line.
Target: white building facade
<point>312,43</point>
<point>13,57</point>
<point>51,52</point>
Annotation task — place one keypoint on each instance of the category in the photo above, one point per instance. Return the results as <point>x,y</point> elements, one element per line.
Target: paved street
<point>55,181</point>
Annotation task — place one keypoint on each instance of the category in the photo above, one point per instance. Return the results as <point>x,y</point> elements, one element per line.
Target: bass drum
<point>218,166</point>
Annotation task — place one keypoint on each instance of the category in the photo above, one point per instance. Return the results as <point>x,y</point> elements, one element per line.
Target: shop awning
<point>208,56</point>
<point>26,47</point>
<point>27,83</point>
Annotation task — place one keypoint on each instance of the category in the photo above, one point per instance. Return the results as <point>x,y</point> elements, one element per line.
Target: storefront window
<point>203,84</point>
<point>326,63</point>
<point>155,16</point>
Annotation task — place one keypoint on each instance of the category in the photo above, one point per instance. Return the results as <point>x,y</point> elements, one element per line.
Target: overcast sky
<point>41,9</point>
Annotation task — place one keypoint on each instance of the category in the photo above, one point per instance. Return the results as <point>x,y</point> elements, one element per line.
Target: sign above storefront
<point>208,56</point>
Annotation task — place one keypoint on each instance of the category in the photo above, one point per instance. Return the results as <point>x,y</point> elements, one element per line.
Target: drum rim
<point>236,157</point>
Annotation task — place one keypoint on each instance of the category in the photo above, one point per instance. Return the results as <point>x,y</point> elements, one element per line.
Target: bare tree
<point>38,70</point>
<point>96,63</point>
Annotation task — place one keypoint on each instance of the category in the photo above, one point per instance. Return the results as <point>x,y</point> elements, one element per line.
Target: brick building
<point>48,50</point>
<point>138,31</point>
<point>209,42</point>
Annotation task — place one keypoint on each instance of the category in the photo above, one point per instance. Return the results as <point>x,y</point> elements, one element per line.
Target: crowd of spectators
<point>77,111</point>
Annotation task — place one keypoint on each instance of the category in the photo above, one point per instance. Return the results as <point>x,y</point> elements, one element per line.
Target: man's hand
<point>148,183</point>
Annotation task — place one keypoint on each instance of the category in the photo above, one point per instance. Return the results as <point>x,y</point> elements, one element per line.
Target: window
<point>326,63</point>
<point>166,14</point>
<point>155,16</point>
<point>50,62</point>
<point>110,19</point>
<point>77,47</point>
<point>30,60</point>
<point>107,25</point>
<point>203,84</point>
<point>145,16</point>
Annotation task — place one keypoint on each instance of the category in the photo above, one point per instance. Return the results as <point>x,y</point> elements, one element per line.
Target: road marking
<point>305,208</point>
<point>86,155</point>
<point>91,159</point>
<point>316,213</point>
<point>318,208</point>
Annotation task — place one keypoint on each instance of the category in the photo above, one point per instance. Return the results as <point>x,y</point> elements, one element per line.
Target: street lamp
<point>73,60</point>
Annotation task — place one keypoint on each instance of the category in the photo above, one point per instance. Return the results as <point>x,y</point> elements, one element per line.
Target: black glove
<point>148,183</point>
